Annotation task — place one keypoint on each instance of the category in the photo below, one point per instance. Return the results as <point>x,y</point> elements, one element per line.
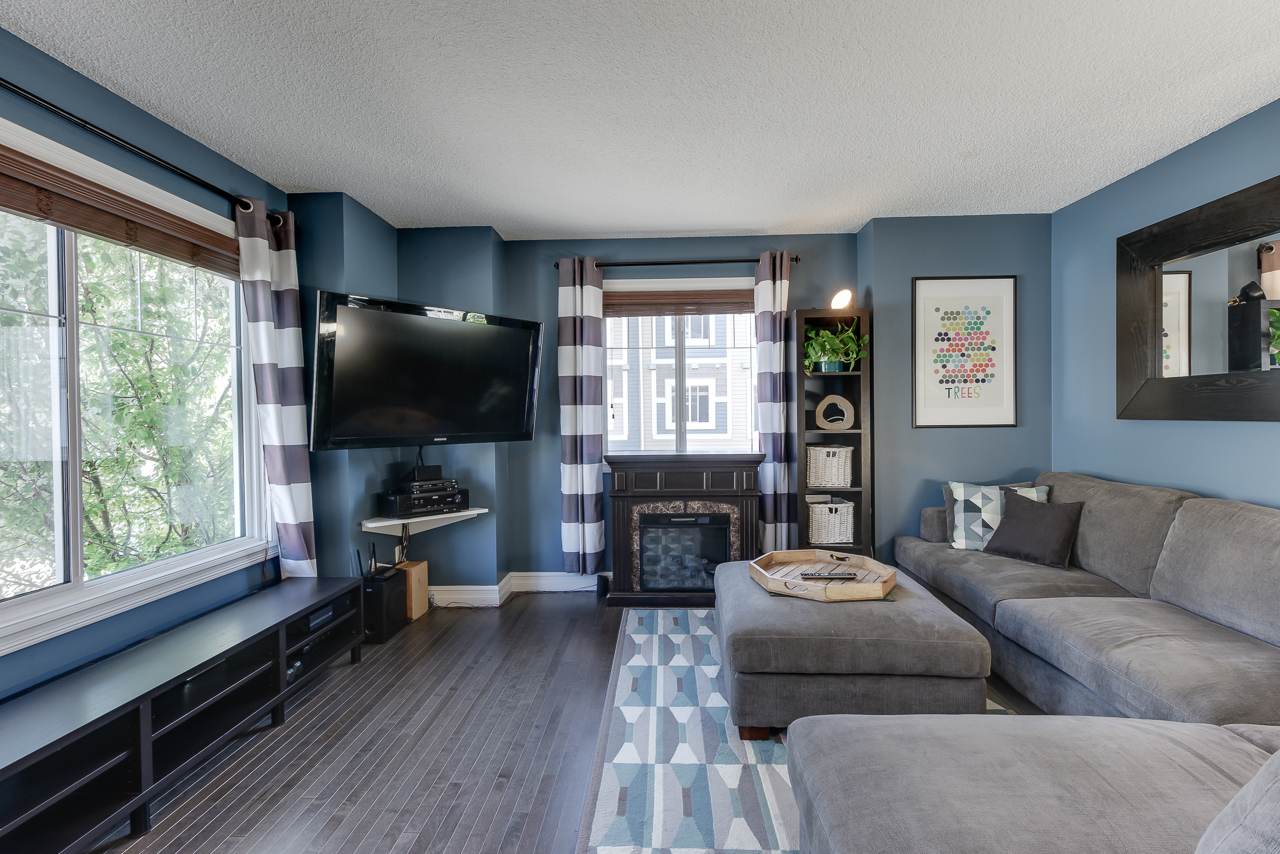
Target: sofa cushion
<point>933,525</point>
<point>980,581</point>
<point>1122,527</point>
<point>1222,561</point>
<point>1250,824</point>
<point>1035,532</point>
<point>912,635</point>
<point>1151,659</point>
<point>1266,737</point>
<point>992,784</point>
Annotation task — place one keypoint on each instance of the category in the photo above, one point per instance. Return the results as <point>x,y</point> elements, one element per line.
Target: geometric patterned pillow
<point>980,508</point>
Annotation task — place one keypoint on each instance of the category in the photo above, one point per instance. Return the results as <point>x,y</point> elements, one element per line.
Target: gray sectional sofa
<point>1170,610</point>
<point>1170,613</point>
<point>987,784</point>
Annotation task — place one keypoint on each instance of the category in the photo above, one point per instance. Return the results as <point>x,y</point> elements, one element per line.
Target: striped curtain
<point>772,279</point>
<point>269,282</point>
<point>581,361</point>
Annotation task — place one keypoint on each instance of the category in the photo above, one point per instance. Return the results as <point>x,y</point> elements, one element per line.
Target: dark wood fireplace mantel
<point>674,484</point>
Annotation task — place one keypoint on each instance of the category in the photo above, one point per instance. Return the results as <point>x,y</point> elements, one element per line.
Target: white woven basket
<point>830,465</point>
<point>831,523</point>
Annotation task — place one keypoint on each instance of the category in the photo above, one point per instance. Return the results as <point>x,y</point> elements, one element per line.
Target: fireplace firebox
<point>682,552</point>
<point>674,519</point>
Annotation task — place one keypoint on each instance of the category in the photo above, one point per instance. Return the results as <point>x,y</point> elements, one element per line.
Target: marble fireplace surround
<point>696,484</point>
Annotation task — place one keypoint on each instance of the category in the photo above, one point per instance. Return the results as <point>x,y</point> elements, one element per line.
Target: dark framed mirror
<point>1183,351</point>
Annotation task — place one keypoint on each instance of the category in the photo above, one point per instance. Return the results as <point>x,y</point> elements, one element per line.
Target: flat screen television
<point>394,374</point>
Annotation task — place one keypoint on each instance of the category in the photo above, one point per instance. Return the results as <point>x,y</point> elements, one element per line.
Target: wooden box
<point>415,572</point>
<point>779,572</point>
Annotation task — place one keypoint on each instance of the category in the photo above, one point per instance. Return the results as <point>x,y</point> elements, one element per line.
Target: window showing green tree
<point>157,407</point>
<point>31,443</point>
<point>157,429</point>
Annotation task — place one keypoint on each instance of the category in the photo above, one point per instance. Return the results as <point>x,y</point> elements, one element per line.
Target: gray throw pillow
<point>949,502</point>
<point>1250,823</point>
<point>1036,532</point>
<point>979,509</point>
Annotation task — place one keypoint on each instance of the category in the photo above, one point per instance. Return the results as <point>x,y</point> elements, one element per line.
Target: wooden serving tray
<point>779,572</point>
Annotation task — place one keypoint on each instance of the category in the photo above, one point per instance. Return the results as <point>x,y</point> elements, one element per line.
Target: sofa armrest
<point>933,525</point>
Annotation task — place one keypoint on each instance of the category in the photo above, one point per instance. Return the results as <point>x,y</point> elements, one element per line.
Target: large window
<point>121,409</point>
<point>681,383</point>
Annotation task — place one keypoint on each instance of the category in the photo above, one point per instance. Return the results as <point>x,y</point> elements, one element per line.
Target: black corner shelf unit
<point>85,752</point>
<point>806,391</point>
<point>1249,336</point>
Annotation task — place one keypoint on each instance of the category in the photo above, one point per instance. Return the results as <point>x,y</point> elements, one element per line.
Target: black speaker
<point>386,606</point>
<point>427,473</point>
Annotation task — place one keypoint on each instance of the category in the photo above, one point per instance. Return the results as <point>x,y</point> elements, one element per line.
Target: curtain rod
<point>112,138</point>
<point>795,259</point>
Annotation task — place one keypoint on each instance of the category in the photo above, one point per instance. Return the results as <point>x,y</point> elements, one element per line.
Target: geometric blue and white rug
<point>672,776</point>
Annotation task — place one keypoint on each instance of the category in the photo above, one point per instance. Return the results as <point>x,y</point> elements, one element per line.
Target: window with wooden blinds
<point>671,303</point>
<point>57,197</point>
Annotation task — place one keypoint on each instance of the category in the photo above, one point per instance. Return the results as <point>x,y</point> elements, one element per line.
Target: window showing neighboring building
<point>645,383</point>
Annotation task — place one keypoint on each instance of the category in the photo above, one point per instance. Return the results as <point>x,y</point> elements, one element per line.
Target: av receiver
<point>403,505</point>
<point>442,485</point>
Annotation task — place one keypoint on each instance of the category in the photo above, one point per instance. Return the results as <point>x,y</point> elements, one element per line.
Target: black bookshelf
<point>85,752</point>
<point>807,390</point>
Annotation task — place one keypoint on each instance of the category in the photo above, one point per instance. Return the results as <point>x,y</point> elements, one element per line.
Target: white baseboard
<point>549,582</point>
<point>464,596</point>
<point>491,595</point>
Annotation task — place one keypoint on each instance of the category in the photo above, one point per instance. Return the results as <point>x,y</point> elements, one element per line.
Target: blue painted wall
<point>912,463</point>
<point>1227,459</point>
<point>344,247</point>
<point>1209,295</point>
<point>828,263</point>
<point>50,79</point>
<point>463,269</point>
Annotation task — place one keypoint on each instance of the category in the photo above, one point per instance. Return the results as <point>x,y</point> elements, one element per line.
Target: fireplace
<point>681,552</point>
<point>675,517</point>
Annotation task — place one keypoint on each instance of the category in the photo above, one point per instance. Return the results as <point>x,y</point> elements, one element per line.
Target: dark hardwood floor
<point>471,731</point>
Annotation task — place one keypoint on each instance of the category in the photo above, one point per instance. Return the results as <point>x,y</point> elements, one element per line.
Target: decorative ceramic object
<point>844,418</point>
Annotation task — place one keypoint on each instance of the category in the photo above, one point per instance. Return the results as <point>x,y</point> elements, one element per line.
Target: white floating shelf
<point>417,524</point>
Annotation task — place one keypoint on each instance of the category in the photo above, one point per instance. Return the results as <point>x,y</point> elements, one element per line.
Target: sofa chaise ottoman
<point>1170,610</point>
<point>1033,785</point>
<point>785,658</point>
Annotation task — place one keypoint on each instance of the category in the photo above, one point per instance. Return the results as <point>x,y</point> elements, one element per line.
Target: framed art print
<point>1175,348</point>
<point>964,351</point>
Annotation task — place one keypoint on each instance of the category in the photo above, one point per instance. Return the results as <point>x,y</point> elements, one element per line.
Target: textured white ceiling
<point>577,119</point>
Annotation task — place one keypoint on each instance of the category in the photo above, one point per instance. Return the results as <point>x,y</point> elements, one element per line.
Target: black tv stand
<point>86,751</point>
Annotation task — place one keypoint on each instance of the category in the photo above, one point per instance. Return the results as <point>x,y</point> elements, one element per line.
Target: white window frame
<point>727,398</point>
<point>44,614</point>
<point>618,415</point>
<point>668,392</point>
<point>703,341</point>
<point>710,391</point>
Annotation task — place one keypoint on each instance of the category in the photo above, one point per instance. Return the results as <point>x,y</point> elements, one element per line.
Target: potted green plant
<point>826,351</point>
<point>1275,337</point>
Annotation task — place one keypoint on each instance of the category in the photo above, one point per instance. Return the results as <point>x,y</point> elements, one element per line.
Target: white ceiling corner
<point>625,119</point>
